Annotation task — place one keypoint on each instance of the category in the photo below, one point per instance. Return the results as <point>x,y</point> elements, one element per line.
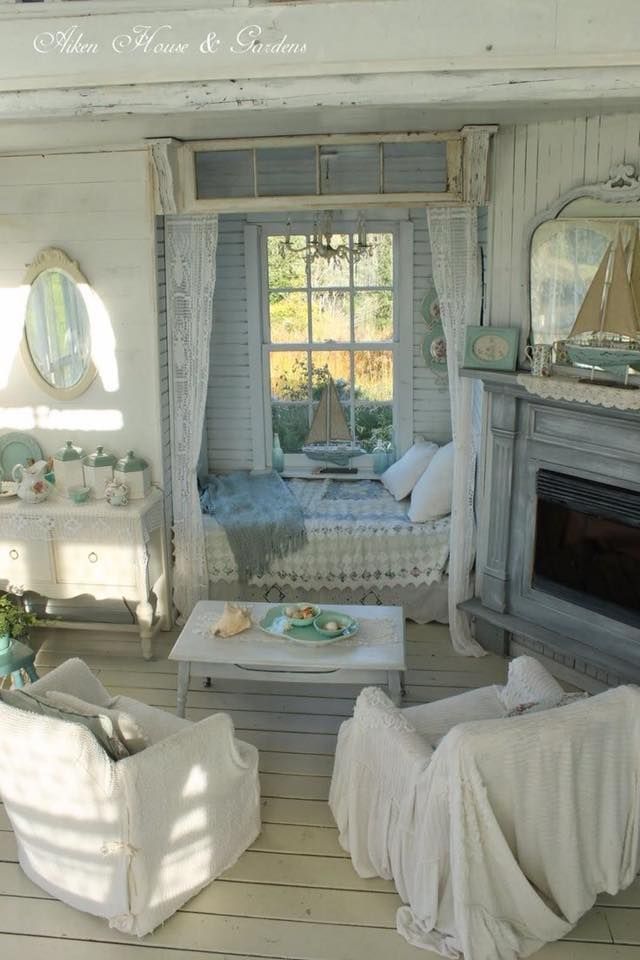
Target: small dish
<point>8,490</point>
<point>298,608</point>
<point>79,494</point>
<point>333,624</point>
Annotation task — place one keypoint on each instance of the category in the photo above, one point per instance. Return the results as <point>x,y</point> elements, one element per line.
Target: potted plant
<point>15,622</point>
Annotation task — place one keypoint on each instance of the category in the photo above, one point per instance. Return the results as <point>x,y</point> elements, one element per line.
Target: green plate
<point>278,624</point>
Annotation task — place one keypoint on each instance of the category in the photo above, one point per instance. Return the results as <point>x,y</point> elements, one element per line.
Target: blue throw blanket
<point>261,518</point>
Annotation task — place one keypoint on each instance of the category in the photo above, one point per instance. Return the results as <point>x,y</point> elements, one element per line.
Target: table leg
<point>184,673</point>
<point>32,672</point>
<point>17,678</point>
<point>394,682</point>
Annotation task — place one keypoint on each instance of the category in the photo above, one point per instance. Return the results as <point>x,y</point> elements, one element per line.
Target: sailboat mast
<point>607,286</point>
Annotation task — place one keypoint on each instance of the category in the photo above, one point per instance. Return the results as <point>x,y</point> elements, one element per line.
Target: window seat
<point>361,548</point>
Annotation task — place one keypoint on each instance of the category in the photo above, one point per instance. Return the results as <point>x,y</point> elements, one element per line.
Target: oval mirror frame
<point>53,259</point>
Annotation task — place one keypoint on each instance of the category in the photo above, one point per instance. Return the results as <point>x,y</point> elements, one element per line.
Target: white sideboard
<point>61,550</point>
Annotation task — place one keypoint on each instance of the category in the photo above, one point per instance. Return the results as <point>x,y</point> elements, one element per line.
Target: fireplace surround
<point>559,529</point>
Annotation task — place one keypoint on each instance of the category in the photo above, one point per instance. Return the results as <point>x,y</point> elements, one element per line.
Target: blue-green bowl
<point>299,621</point>
<point>329,616</point>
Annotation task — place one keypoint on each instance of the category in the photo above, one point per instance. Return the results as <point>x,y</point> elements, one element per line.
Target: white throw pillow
<point>431,497</point>
<point>402,476</point>
<point>529,684</point>
<point>126,728</point>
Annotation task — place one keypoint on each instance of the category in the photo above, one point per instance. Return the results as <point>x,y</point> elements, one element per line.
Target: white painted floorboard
<point>294,895</point>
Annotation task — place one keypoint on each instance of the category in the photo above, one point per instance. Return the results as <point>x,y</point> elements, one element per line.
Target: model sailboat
<point>606,334</point>
<point>329,438</point>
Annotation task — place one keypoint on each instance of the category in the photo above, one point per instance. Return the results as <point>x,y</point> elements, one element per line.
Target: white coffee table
<point>254,652</point>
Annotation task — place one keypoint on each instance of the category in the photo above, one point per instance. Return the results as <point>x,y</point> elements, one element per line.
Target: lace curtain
<point>455,252</point>
<point>190,251</point>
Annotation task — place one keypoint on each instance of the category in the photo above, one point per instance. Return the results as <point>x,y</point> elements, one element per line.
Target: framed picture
<point>491,348</point>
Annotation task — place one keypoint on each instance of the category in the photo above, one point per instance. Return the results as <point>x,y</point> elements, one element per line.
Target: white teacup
<point>540,357</point>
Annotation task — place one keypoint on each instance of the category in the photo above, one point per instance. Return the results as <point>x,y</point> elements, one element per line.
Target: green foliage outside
<point>316,305</point>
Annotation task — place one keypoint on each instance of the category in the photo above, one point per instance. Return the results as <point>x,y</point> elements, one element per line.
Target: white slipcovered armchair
<point>497,829</point>
<point>133,840</point>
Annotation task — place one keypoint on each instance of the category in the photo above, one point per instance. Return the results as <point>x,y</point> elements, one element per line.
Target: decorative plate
<point>431,308</point>
<point>17,448</point>
<point>434,347</point>
<point>278,624</point>
<point>8,490</point>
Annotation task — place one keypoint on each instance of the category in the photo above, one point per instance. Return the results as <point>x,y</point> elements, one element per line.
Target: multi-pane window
<point>331,317</point>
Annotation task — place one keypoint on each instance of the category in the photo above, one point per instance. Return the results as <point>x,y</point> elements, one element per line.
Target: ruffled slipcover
<point>501,838</point>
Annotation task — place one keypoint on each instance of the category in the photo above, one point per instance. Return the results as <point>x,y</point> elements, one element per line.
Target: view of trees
<point>339,304</point>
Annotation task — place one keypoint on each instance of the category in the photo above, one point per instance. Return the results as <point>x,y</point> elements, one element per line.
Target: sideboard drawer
<point>102,564</point>
<point>23,561</point>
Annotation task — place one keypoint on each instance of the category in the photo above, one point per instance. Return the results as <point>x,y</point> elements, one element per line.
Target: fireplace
<point>587,544</point>
<point>559,535</point>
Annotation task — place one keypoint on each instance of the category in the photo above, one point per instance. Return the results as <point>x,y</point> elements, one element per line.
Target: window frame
<point>401,345</point>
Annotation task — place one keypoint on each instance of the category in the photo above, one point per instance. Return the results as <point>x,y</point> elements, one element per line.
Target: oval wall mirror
<point>57,332</point>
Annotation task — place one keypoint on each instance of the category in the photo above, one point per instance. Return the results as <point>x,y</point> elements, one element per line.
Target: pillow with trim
<point>126,727</point>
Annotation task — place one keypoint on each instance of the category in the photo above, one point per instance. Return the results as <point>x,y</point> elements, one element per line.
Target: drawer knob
<point>93,557</point>
<point>14,554</point>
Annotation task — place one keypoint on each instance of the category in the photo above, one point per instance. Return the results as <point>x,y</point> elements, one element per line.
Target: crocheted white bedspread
<point>357,536</point>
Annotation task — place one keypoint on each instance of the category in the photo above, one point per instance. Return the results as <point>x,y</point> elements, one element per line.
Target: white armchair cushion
<point>402,476</point>
<point>126,727</point>
<point>431,496</point>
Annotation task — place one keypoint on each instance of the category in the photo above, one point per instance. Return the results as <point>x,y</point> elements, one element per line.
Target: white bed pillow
<point>431,496</point>
<point>402,476</point>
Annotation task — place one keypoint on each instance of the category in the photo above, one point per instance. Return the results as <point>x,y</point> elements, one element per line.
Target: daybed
<point>361,548</point>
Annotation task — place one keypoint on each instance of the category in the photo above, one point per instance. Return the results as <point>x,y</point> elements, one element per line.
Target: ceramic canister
<point>134,472</point>
<point>98,471</point>
<point>67,467</point>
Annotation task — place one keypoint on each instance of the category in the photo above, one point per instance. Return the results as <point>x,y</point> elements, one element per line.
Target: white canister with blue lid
<point>135,473</point>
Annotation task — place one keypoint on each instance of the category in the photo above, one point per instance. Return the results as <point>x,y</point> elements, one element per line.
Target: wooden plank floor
<point>294,894</point>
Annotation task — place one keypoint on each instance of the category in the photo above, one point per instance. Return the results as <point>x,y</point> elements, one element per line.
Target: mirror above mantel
<point>584,257</point>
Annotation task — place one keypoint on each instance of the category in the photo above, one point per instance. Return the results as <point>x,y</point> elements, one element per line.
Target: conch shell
<point>234,620</point>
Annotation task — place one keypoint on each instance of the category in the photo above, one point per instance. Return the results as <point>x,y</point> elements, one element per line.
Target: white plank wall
<point>229,413</point>
<point>97,208</point>
<point>533,165</point>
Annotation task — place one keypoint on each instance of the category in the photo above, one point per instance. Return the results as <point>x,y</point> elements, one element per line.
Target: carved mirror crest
<point>57,330</point>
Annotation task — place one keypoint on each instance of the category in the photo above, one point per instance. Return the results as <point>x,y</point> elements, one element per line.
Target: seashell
<point>234,620</point>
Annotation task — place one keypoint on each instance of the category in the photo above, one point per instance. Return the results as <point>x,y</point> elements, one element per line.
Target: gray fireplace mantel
<point>527,433</point>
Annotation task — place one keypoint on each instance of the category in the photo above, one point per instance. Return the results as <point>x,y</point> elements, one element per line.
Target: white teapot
<point>32,486</point>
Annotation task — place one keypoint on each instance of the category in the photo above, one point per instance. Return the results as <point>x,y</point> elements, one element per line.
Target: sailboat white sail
<point>329,438</point>
<point>606,333</point>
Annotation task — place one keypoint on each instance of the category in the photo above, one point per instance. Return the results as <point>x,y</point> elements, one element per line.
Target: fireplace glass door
<point>587,546</point>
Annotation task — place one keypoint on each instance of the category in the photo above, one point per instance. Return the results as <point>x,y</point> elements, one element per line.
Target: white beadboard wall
<point>229,404</point>
<point>97,207</point>
<point>533,165</point>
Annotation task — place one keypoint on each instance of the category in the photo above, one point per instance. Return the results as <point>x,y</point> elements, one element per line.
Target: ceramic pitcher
<point>32,485</point>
